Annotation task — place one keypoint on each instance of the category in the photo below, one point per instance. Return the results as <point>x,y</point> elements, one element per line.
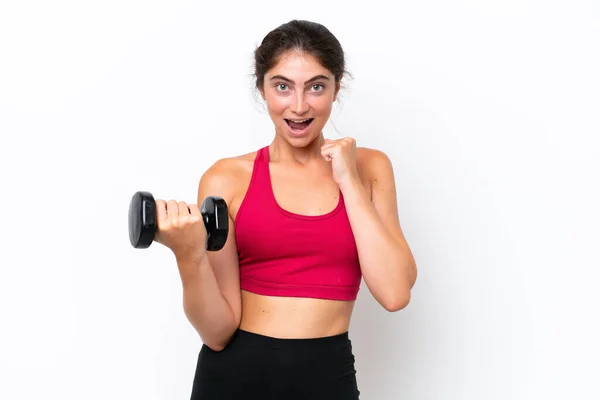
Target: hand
<point>342,154</point>
<point>181,228</point>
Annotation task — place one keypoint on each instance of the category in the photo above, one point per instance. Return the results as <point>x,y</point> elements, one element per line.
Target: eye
<point>318,87</point>
<point>282,87</point>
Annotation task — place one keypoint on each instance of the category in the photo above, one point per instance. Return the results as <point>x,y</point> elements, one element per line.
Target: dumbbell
<point>143,224</point>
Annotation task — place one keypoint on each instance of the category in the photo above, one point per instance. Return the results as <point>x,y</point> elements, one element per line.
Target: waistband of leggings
<point>323,341</point>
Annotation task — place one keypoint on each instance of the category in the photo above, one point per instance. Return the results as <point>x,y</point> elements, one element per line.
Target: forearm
<point>204,304</point>
<point>386,261</point>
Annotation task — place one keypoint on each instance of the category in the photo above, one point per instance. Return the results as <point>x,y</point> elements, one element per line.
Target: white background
<point>489,111</point>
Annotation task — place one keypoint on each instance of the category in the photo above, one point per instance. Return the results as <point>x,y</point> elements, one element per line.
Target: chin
<point>302,141</point>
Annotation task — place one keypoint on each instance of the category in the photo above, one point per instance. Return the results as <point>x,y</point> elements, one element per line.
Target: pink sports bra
<point>286,254</point>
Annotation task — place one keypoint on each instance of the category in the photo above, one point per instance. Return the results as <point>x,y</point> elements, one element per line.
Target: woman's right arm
<point>211,283</point>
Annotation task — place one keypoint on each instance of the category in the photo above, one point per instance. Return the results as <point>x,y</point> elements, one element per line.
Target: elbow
<point>216,347</point>
<point>399,297</point>
<point>397,302</point>
<point>215,339</point>
<point>217,344</point>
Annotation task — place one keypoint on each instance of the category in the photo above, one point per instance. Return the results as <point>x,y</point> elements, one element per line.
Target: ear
<point>338,85</point>
<point>262,93</point>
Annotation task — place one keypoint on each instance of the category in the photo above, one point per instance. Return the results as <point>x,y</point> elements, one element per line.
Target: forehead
<point>298,66</point>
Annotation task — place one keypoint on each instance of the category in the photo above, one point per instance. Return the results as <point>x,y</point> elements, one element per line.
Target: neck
<point>282,151</point>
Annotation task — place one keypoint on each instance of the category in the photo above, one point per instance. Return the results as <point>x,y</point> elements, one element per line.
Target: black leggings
<point>254,366</point>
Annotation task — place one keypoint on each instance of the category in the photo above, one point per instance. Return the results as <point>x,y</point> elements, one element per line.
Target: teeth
<point>300,120</point>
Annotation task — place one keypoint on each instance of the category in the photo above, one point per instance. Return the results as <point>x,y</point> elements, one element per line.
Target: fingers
<point>172,209</point>
<point>161,218</point>
<point>347,141</point>
<point>161,211</point>
<point>183,208</point>
<point>328,143</point>
<point>328,150</point>
<point>176,221</point>
<point>195,210</point>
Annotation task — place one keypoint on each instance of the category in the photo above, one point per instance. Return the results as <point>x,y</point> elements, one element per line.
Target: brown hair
<point>304,36</point>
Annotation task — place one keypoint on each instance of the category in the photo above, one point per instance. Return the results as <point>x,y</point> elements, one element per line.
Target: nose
<point>300,105</point>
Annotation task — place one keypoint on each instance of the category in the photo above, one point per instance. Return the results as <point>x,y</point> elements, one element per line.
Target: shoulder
<point>374,163</point>
<point>367,154</point>
<point>225,175</point>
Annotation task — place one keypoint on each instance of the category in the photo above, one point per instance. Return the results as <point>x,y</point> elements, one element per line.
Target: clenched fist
<point>342,155</point>
<point>181,228</point>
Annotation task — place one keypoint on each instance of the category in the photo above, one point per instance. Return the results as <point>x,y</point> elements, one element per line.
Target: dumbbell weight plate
<point>216,219</point>
<point>142,220</point>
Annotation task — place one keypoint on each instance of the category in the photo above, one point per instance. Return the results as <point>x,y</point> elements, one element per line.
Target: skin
<point>307,173</point>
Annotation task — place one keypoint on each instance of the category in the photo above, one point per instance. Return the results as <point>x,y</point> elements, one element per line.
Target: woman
<point>309,218</point>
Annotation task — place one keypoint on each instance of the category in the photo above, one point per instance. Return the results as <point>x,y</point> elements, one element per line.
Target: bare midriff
<point>294,317</point>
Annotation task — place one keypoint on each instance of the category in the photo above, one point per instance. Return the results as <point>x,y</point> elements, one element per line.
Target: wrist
<point>190,268</point>
<point>351,184</point>
<point>190,257</point>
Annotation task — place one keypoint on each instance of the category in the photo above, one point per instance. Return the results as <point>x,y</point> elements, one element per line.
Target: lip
<point>296,132</point>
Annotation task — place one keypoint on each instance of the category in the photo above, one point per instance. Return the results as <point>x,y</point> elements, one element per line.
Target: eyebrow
<point>314,78</point>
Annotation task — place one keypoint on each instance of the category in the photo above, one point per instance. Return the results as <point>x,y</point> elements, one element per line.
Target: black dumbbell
<point>143,226</point>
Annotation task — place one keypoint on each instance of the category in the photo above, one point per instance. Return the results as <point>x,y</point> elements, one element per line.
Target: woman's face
<point>299,93</point>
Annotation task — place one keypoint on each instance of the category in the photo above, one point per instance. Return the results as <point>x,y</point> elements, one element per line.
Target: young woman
<point>309,218</point>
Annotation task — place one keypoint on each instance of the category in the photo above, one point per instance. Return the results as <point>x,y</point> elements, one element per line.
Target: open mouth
<point>299,125</point>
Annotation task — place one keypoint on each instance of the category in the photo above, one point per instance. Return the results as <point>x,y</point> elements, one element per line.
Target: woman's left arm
<point>387,263</point>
